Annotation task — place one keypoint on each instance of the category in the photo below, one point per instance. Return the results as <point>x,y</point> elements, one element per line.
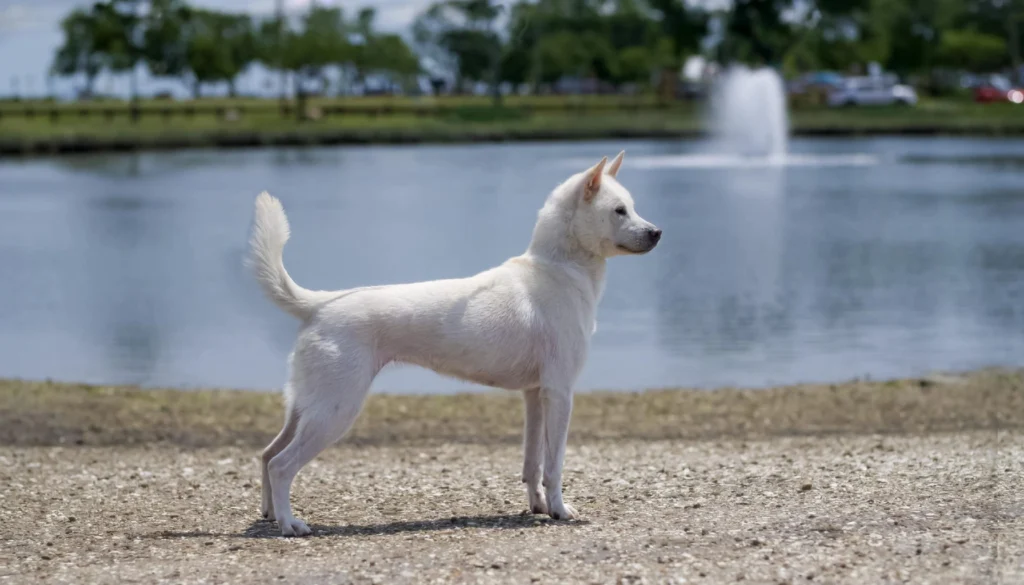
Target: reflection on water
<point>127,268</point>
<point>996,160</point>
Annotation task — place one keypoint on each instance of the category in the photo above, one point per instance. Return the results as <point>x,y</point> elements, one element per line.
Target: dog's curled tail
<point>266,259</point>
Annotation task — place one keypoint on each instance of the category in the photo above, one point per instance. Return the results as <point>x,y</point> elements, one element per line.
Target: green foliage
<point>618,42</point>
<point>80,52</point>
<point>685,27</point>
<point>634,64</point>
<point>202,46</point>
<point>755,32</point>
<point>389,52</point>
<point>472,50</point>
<point>321,41</point>
<point>219,46</point>
<point>972,50</point>
<point>118,33</point>
<point>543,41</point>
<point>460,36</point>
<point>165,37</point>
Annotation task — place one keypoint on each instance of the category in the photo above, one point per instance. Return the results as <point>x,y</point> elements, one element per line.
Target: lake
<point>880,257</point>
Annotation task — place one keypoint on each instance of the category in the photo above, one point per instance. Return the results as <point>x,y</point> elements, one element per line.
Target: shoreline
<point>50,413</point>
<point>82,144</point>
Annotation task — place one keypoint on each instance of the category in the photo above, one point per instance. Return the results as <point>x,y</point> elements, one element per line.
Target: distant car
<point>998,90</point>
<point>826,81</point>
<point>872,91</point>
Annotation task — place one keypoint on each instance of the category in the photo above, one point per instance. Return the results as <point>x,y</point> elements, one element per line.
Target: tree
<point>634,64</point>
<point>389,52</point>
<point>684,25</point>
<point>79,53</point>
<point>516,65</point>
<point>586,54</point>
<point>165,38</point>
<point>1001,18</point>
<point>376,52</point>
<point>972,50</point>
<point>321,41</point>
<point>460,35</point>
<point>481,16</point>
<point>916,32</point>
<point>120,31</point>
<point>269,47</point>
<point>521,58</point>
<point>365,20</point>
<point>756,32</point>
<point>220,46</point>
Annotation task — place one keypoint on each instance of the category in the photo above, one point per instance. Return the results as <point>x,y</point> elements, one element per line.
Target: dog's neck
<point>553,242</point>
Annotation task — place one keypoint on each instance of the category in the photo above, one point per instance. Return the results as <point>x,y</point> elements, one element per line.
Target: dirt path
<point>823,506</point>
<point>868,509</point>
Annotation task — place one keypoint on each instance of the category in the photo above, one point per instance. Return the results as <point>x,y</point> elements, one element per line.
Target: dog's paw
<point>294,527</point>
<point>538,503</point>
<point>267,503</point>
<point>563,512</point>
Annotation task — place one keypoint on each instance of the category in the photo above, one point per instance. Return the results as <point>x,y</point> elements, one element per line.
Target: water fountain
<point>748,110</point>
<point>749,128</point>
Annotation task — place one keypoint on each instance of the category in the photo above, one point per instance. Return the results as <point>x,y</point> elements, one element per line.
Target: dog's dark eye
<point>621,210</point>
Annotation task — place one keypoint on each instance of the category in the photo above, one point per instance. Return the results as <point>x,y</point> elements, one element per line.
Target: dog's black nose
<point>654,234</point>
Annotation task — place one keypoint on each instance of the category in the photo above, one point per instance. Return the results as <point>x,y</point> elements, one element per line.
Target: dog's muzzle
<point>646,242</point>
<point>653,236</point>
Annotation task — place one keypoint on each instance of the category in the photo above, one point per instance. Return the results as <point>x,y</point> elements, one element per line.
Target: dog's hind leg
<point>291,422</point>
<point>533,451</point>
<point>329,399</point>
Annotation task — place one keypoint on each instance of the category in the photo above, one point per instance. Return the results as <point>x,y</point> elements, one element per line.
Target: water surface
<point>127,268</point>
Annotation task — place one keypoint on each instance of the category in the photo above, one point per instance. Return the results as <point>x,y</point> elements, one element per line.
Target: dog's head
<point>605,221</point>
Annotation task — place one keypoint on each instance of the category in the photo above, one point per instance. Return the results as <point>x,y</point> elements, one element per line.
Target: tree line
<point>198,46</point>
<point>539,42</point>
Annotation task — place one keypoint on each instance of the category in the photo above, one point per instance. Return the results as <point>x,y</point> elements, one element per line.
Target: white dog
<point>524,325</point>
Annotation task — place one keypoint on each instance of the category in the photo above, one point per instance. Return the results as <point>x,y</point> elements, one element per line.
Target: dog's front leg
<point>557,411</point>
<point>533,451</point>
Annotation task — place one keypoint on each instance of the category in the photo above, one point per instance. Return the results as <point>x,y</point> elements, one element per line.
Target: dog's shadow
<point>269,529</point>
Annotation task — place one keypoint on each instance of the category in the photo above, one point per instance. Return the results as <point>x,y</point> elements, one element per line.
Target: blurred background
<point>840,182</point>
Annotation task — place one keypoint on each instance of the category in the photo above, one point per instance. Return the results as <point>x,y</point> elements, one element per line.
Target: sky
<point>30,34</point>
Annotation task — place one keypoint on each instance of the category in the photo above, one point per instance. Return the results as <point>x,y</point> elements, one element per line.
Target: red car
<point>990,93</point>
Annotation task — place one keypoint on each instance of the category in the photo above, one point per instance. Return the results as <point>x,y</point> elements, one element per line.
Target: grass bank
<point>43,413</point>
<point>106,126</point>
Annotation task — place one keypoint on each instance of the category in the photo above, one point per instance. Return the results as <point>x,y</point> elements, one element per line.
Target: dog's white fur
<point>524,325</point>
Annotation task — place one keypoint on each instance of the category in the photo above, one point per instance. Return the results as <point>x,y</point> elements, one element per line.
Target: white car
<point>872,91</point>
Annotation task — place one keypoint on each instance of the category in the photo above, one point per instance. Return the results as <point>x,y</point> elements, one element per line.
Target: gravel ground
<point>812,506</point>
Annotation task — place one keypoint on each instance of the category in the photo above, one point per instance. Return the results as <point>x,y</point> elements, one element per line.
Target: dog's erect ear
<point>592,180</point>
<point>613,168</point>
